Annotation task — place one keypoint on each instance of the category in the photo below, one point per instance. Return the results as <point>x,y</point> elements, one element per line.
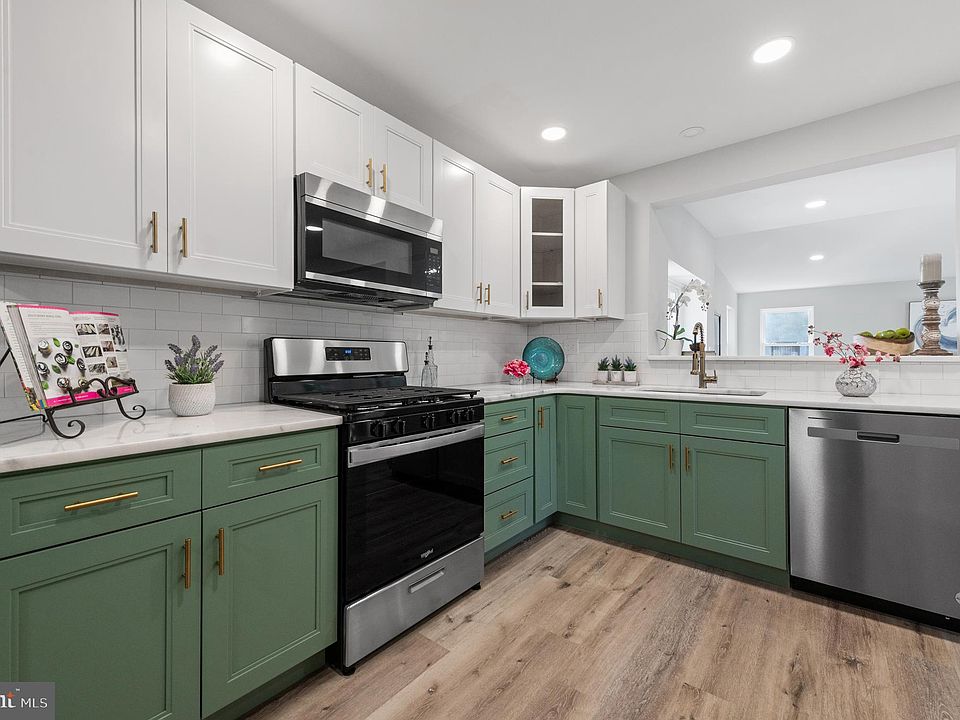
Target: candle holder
<point>930,336</point>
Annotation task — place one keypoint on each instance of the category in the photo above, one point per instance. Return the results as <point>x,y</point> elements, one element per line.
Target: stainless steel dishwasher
<point>875,508</point>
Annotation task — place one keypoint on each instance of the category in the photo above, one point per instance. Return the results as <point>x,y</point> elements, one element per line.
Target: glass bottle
<point>428,377</point>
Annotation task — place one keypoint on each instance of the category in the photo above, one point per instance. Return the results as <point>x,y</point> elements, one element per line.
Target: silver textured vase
<point>856,382</point>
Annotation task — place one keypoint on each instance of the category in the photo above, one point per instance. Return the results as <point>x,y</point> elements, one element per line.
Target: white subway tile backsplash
<point>98,294</point>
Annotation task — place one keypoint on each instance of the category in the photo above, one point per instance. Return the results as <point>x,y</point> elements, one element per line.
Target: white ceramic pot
<point>603,376</point>
<point>191,400</point>
<point>616,375</point>
<point>630,377</point>
<point>673,348</point>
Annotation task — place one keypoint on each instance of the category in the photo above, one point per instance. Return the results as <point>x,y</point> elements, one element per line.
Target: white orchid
<point>682,299</point>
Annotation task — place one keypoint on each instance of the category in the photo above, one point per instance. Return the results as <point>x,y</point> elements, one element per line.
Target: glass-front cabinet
<point>547,250</point>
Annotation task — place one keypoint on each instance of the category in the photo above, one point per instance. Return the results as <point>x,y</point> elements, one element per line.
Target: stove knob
<point>400,427</point>
<point>470,414</point>
<point>377,429</point>
<point>429,421</point>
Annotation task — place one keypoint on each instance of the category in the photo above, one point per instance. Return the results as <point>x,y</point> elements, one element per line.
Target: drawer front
<point>733,422</point>
<point>48,508</point>
<point>505,417</point>
<point>636,414</point>
<point>240,470</point>
<point>507,459</point>
<point>507,513</point>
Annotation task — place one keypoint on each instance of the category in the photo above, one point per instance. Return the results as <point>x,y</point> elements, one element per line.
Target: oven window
<point>363,248</point>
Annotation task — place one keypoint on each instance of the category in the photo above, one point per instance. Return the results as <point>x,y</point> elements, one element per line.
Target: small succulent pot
<point>616,376</point>
<point>603,376</point>
<point>630,377</point>
<point>192,400</point>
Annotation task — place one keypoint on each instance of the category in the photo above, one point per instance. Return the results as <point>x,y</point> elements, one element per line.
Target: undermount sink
<point>700,391</point>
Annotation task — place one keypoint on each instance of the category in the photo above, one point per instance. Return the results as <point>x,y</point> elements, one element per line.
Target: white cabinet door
<point>547,252</point>
<point>230,154</point>
<point>83,150</point>
<point>600,240</point>
<point>404,158</point>
<point>455,189</point>
<point>335,132</point>
<point>498,237</point>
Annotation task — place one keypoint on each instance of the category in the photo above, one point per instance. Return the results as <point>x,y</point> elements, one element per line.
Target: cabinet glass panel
<point>547,244</point>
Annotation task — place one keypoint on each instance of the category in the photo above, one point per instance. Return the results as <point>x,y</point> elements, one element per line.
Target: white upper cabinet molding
<point>547,252</point>
<point>498,238</point>
<point>230,153</point>
<point>600,251</point>
<point>404,158</point>
<point>456,182</point>
<point>83,113</point>
<point>335,132</point>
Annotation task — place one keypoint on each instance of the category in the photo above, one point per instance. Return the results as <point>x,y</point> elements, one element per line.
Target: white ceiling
<point>927,180</point>
<point>623,77</point>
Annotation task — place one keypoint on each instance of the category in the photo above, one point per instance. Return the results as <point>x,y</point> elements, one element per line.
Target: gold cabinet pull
<point>101,501</point>
<point>383,172</point>
<point>155,229</point>
<point>183,230</point>
<point>488,293</point>
<point>480,293</point>
<point>187,563</point>
<point>508,515</point>
<point>599,299</point>
<point>670,457</point>
<point>277,466</point>
<point>220,551</point>
<point>509,418</point>
<point>370,172</point>
<point>511,459</point>
<point>686,458</point>
<point>540,415</point>
<point>528,300</point>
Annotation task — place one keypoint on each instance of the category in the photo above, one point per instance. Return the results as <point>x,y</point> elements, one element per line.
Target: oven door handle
<point>388,449</point>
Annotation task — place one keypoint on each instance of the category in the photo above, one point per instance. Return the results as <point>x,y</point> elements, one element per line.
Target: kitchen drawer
<point>507,513</point>
<point>507,459</point>
<point>244,469</point>
<point>505,417</point>
<point>733,422</point>
<point>42,507</point>
<point>637,414</point>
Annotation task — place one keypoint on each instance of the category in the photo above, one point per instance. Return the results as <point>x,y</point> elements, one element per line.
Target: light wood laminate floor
<point>567,626</point>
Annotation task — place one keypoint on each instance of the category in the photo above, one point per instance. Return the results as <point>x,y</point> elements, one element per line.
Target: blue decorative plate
<point>545,358</point>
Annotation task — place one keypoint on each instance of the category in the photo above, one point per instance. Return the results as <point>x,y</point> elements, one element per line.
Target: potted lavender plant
<point>192,391</point>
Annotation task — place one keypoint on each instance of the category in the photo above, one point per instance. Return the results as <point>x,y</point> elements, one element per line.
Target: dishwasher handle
<point>878,437</point>
<point>898,439</point>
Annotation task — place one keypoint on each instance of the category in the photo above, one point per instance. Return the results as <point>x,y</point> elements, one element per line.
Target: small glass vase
<point>516,380</point>
<point>856,382</point>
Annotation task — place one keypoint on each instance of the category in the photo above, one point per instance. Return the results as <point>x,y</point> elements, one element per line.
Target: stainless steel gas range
<point>410,486</point>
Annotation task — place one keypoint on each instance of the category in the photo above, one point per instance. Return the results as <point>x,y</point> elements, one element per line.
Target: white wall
<point>848,309</point>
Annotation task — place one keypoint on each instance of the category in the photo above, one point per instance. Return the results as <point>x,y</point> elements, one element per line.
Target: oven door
<point>340,245</point>
<point>408,501</point>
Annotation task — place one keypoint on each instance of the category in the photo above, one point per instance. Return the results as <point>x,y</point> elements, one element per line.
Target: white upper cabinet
<point>600,251</point>
<point>335,132</point>
<point>230,153</point>
<point>343,138</point>
<point>82,108</point>
<point>404,158</point>
<point>455,189</point>
<point>546,252</point>
<point>498,239</point>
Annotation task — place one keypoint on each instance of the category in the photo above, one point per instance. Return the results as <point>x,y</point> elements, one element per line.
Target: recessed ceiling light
<point>691,131</point>
<point>553,133</point>
<point>816,258</point>
<point>815,204</point>
<point>773,50</point>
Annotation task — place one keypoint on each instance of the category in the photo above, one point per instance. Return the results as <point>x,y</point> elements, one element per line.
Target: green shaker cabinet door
<point>109,621</point>
<point>545,457</point>
<point>274,605</point>
<point>734,499</point>
<point>638,482</point>
<point>577,442</point>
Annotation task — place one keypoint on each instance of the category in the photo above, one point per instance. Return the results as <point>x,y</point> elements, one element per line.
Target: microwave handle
<point>387,450</point>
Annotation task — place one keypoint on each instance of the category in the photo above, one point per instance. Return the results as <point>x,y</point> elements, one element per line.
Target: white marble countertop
<point>27,445</point>
<point>890,402</point>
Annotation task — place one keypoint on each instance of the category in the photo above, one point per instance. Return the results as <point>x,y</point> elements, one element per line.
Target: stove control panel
<point>345,354</point>
<point>413,423</point>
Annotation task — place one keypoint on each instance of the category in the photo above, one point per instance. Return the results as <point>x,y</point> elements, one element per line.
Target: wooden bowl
<point>903,346</point>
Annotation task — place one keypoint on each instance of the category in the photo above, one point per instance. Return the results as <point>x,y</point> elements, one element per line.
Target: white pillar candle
<point>930,268</point>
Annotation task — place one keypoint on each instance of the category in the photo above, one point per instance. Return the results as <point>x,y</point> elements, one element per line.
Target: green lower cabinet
<point>734,499</point>
<point>545,458</point>
<point>577,457</point>
<point>110,621</point>
<point>507,513</point>
<point>272,602</point>
<point>638,481</point>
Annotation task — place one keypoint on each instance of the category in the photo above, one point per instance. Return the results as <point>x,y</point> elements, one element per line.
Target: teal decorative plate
<point>545,358</point>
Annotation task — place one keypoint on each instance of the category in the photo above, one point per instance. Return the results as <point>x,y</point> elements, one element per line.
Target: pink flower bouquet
<point>516,368</point>
<point>853,355</point>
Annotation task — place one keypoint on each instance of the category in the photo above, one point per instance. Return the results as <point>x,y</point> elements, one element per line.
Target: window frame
<point>764,312</point>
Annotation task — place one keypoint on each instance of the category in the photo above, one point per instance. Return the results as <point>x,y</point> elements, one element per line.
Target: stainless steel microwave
<point>352,247</point>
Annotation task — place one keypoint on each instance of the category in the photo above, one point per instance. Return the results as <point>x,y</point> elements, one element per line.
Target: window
<point>784,331</point>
